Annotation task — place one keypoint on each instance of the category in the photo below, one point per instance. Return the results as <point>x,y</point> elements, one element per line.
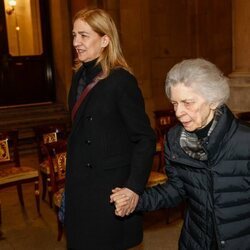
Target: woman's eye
<point>174,105</point>
<point>187,104</point>
<point>84,35</point>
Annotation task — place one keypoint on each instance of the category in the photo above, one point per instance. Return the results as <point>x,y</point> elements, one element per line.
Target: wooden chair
<point>11,173</point>
<point>57,163</point>
<point>156,178</point>
<point>159,153</point>
<point>46,134</point>
<point>164,120</point>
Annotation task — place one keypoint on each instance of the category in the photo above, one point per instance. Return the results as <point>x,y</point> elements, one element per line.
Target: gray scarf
<point>192,145</point>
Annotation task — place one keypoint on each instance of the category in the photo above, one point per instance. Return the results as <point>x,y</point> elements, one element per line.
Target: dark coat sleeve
<point>132,110</point>
<point>169,194</point>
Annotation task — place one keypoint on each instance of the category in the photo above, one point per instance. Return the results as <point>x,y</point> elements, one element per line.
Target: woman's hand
<point>125,201</point>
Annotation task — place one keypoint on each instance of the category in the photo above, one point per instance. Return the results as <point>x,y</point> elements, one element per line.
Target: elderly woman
<point>207,162</point>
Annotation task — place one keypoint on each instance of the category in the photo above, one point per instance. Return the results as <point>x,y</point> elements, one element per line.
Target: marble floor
<point>24,229</point>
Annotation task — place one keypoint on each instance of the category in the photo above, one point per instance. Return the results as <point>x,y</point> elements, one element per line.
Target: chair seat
<point>156,178</point>
<point>58,197</point>
<point>12,174</point>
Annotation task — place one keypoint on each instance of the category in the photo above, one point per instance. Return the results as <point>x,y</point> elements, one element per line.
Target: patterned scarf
<point>192,145</point>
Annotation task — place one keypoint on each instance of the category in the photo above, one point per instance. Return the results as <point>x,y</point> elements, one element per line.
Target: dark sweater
<point>89,72</point>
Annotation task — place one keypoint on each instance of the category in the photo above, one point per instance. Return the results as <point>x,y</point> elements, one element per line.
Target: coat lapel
<point>73,89</point>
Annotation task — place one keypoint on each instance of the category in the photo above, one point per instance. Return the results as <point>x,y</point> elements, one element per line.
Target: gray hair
<point>203,76</point>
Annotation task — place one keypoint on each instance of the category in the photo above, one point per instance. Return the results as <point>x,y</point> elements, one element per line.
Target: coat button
<point>88,165</point>
<point>223,243</point>
<point>89,118</point>
<point>88,142</point>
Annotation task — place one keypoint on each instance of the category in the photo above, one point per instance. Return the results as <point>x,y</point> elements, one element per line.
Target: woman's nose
<point>178,110</point>
<point>76,41</point>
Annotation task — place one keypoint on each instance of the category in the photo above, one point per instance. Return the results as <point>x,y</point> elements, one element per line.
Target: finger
<point>120,198</point>
<point>116,190</point>
<point>132,205</point>
<point>119,193</point>
<point>120,212</point>
<point>121,204</point>
<point>114,197</point>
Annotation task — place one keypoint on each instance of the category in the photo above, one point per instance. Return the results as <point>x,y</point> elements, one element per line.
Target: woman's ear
<point>213,105</point>
<point>105,41</point>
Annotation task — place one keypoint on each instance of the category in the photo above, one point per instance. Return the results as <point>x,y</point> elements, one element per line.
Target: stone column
<point>240,77</point>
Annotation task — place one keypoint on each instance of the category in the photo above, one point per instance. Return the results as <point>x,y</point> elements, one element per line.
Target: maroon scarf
<point>84,94</point>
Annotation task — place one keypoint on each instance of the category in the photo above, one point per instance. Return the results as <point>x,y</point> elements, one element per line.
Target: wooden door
<point>25,55</point>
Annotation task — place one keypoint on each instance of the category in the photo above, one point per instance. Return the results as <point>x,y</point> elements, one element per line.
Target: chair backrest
<point>46,134</point>
<point>9,148</point>
<point>164,119</point>
<point>57,152</point>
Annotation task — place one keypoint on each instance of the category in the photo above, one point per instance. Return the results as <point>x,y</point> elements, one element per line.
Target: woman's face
<point>191,109</point>
<point>88,44</point>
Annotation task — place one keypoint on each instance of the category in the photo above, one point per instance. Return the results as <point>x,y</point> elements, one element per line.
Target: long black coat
<point>217,191</point>
<point>111,145</point>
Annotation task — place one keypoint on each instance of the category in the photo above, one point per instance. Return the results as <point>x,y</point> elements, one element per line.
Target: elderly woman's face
<point>191,109</point>
<point>88,44</point>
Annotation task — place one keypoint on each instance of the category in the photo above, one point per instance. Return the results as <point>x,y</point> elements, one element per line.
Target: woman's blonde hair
<point>102,23</point>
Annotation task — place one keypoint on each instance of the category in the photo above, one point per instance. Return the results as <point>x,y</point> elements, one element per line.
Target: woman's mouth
<point>80,51</point>
<point>185,124</point>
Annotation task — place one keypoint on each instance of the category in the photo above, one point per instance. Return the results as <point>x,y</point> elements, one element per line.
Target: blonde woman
<point>111,143</point>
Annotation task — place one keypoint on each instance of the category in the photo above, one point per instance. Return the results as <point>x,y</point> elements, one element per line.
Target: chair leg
<point>168,211</point>
<point>59,227</point>
<point>50,192</point>
<point>0,213</point>
<point>1,233</point>
<point>20,194</point>
<point>44,185</point>
<point>37,196</point>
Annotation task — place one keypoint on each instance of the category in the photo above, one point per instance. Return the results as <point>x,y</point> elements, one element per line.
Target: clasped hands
<point>125,201</point>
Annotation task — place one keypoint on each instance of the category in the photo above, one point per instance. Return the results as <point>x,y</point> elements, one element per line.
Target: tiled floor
<point>24,229</point>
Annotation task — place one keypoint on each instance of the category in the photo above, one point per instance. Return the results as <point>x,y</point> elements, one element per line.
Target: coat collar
<point>224,130</point>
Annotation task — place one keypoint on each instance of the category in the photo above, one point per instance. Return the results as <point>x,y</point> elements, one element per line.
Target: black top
<point>202,133</point>
<point>89,72</point>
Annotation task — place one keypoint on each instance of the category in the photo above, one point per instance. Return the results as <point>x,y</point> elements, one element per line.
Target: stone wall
<point>157,34</point>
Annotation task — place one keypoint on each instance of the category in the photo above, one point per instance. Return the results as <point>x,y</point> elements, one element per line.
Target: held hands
<point>125,201</point>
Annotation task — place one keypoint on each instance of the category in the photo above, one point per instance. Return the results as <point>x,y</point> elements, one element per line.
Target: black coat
<point>111,145</point>
<point>217,191</point>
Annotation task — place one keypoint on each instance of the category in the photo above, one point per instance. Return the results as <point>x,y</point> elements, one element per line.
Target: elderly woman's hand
<point>125,201</point>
